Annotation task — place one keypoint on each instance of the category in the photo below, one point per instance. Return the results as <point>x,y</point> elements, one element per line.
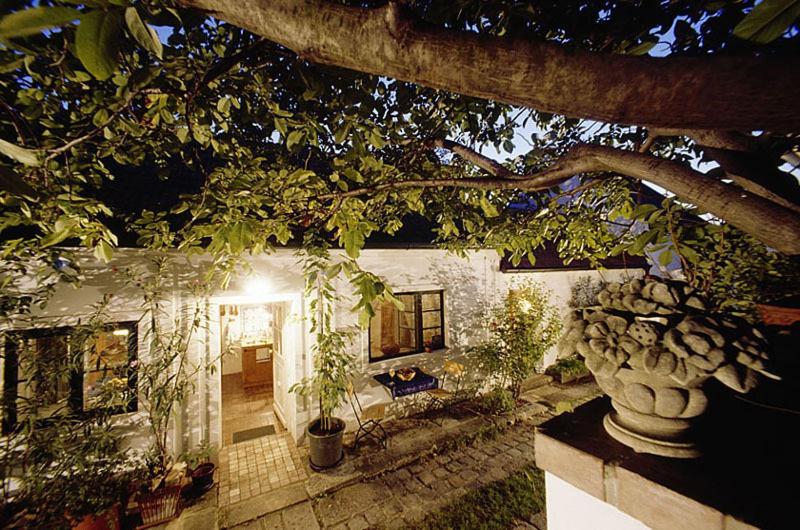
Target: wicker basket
<point>160,506</point>
<point>774,315</point>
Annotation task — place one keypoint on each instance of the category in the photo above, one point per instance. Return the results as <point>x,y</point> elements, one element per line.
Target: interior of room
<point>251,336</point>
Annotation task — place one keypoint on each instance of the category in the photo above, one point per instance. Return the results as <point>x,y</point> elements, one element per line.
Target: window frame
<point>75,399</point>
<point>418,327</point>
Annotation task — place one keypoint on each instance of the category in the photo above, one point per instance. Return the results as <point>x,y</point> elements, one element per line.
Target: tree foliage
<point>207,138</point>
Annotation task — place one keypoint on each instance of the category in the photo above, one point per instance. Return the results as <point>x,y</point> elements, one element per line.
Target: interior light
<point>120,332</point>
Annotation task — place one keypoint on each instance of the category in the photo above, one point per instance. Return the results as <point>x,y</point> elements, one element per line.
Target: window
<point>417,327</point>
<point>65,371</point>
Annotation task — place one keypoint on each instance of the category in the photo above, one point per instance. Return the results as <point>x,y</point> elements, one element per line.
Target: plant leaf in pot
<point>333,362</point>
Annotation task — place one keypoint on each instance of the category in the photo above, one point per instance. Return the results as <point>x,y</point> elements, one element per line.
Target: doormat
<point>249,434</point>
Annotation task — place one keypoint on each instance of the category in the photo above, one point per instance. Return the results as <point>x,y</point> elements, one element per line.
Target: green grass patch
<point>493,506</point>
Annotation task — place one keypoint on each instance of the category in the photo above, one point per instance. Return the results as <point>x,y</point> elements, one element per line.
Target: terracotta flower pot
<point>108,520</point>
<point>778,315</point>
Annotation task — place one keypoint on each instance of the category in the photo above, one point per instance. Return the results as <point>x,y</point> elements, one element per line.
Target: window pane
<point>393,331</point>
<point>432,319</point>
<point>105,380</point>
<point>431,301</point>
<point>44,374</point>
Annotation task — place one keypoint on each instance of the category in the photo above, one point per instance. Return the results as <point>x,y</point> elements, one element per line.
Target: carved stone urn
<point>651,346</point>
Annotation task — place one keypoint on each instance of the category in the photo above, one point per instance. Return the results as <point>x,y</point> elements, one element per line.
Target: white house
<point>260,320</point>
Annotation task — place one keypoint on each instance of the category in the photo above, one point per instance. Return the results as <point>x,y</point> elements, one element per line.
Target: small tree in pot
<point>333,362</point>
<point>166,379</point>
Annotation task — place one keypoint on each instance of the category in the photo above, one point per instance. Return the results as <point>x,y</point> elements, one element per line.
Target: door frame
<point>292,349</point>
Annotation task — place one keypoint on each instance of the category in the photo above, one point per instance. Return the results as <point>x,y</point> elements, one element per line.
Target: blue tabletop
<point>420,383</point>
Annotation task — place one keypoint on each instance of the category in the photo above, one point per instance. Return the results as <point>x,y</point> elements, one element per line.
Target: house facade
<point>255,334</point>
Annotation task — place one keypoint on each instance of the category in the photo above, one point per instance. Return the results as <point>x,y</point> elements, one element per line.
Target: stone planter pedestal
<point>653,415</point>
<point>652,346</point>
<point>593,482</point>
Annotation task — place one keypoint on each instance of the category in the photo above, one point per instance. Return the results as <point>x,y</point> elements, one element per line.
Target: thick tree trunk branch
<point>685,92</point>
<point>743,160</point>
<point>776,226</point>
<point>773,224</point>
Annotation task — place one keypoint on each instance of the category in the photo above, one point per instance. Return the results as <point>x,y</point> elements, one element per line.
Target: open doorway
<point>251,339</point>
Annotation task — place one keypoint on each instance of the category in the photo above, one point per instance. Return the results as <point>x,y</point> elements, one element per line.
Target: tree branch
<point>707,92</point>
<point>743,160</point>
<point>773,224</point>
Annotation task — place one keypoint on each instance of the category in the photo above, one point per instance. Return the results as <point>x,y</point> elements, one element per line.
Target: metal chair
<point>439,397</point>
<point>369,419</point>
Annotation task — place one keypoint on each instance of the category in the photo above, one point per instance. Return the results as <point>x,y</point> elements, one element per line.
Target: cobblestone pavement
<point>402,497</point>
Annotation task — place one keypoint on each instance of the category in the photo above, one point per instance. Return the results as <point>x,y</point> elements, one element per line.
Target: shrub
<point>568,367</point>
<point>584,291</point>
<point>522,329</point>
<point>498,401</point>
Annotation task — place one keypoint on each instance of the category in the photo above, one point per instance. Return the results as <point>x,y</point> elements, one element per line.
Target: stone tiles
<point>257,466</point>
<point>404,493</point>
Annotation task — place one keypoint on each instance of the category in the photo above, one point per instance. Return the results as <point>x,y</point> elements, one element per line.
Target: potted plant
<point>332,365</point>
<point>333,362</point>
<point>200,467</point>
<point>73,481</point>
<point>568,369</point>
<point>61,463</point>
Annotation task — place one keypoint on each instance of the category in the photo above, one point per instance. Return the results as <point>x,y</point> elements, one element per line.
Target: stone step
<point>536,381</point>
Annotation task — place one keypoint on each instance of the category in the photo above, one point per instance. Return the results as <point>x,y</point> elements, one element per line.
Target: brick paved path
<point>402,497</point>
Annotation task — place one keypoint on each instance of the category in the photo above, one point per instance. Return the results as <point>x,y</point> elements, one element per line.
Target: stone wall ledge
<point>746,480</point>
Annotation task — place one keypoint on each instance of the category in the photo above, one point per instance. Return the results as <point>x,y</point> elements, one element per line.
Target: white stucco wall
<point>569,508</point>
<point>471,285</point>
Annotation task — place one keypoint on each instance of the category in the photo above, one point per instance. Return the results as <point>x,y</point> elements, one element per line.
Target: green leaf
<point>224,105</point>
<point>103,251</point>
<point>62,230</point>
<point>144,34</point>
<point>97,42</point>
<point>768,20</point>
<point>20,154</point>
<point>639,244</point>
<point>665,258</point>
<point>280,125</point>
<point>295,138</point>
<point>35,20</point>
<point>183,134</point>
